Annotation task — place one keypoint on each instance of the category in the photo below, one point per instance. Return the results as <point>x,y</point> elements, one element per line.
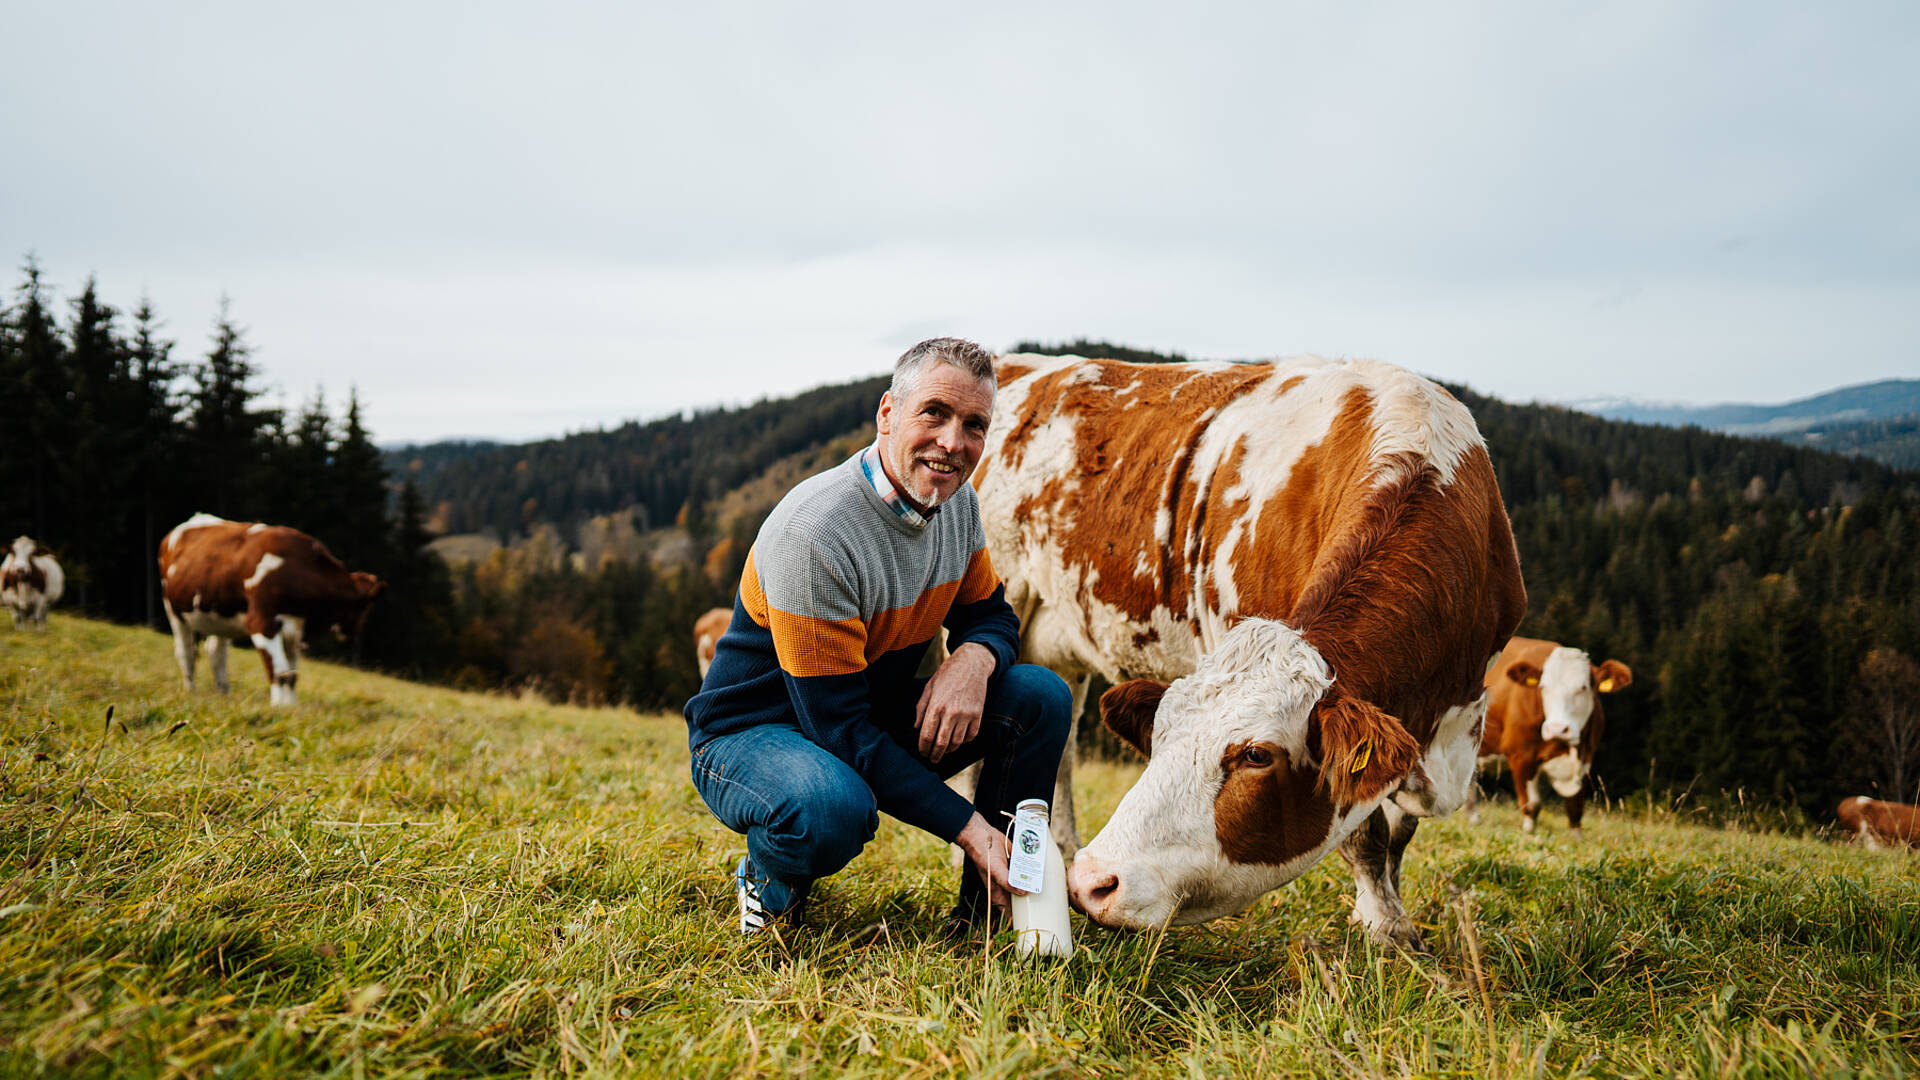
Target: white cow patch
<point>194,522</point>
<point>1566,695</point>
<point>1566,773</point>
<point>1450,762</point>
<point>256,527</point>
<point>268,564</point>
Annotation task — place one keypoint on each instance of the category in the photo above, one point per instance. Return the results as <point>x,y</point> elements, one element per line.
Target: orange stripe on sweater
<point>979,581</point>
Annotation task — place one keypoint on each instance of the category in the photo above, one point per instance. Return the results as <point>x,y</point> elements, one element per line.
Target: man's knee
<point>820,831</point>
<point>1040,698</point>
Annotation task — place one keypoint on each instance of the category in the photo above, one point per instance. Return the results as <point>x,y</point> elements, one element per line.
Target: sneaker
<point>755,912</point>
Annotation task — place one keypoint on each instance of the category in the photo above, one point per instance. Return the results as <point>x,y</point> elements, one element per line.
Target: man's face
<point>931,441</point>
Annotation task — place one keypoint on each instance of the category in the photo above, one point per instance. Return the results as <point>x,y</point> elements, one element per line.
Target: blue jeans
<point>806,813</point>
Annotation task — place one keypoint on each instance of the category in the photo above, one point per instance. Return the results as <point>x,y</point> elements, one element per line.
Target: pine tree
<point>40,400</point>
<point>152,373</point>
<point>306,493</point>
<point>101,462</point>
<point>228,437</point>
<point>360,486</point>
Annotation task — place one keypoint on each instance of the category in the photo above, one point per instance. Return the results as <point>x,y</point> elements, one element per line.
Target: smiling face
<point>930,441</point>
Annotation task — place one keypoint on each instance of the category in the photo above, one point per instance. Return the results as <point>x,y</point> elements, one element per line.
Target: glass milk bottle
<point>1040,916</point>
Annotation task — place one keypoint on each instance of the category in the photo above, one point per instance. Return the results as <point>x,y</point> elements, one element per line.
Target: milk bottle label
<point>1027,868</point>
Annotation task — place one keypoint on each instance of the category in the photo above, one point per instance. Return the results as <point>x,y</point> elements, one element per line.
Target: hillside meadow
<point>398,880</point>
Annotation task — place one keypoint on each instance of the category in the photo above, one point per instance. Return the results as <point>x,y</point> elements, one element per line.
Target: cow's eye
<point>1258,757</point>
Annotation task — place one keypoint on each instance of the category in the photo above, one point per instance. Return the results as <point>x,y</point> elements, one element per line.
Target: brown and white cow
<point>1544,719</point>
<point>1315,554</point>
<point>268,583</point>
<point>1879,823</point>
<point>706,636</point>
<point>30,582</point>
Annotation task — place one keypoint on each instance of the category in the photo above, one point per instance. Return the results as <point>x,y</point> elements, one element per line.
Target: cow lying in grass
<point>1879,823</point>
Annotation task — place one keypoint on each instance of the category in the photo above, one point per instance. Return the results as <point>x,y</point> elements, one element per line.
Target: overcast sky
<point>518,220</point>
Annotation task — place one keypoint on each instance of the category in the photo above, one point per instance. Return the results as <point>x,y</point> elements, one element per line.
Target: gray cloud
<point>615,211</point>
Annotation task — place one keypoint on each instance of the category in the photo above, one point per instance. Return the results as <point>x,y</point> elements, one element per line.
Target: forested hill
<point>654,470</point>
<point>651,470</point>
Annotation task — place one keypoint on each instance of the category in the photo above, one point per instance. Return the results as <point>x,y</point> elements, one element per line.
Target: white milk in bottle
<point>1040,917</point>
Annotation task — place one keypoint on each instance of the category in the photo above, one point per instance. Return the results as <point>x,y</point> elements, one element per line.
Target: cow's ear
<point>1128,711</point>
<point>1363,751</point>
<point>1524,673</point>
<point>1611,676</point>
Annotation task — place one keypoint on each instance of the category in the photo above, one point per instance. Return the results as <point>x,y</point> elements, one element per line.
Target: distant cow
<point>30,582</point>
<point>706,636</point>
<point>268,583</point>
<point>1544,719</point>
<point>1314,553</point>
<point>1880,824</point>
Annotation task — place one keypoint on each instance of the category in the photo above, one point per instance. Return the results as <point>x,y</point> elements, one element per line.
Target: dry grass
<point>397,880</point>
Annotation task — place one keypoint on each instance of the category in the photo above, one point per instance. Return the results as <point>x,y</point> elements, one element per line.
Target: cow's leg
<point>1576,806</point>
<point>182,643</point>
<point>1400,829</point>
<point>278,642</point>
<point>216,647</point>
<point>1526,785</point>
<point>1370,851</point>
<point>1065,826</point>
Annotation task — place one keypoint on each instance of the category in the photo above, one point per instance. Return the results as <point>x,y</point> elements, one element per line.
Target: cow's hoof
<point>1575,833</point>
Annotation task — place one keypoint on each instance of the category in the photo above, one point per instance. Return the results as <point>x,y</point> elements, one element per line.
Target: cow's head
<point>1257,766</point>
<point>353,616</point>
<point>1569,684</point>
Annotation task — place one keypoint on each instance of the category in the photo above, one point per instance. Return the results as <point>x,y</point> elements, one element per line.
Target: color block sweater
<point>837,605</point>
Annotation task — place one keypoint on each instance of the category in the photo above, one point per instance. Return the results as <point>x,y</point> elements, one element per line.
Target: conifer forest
<point>1766,596</point>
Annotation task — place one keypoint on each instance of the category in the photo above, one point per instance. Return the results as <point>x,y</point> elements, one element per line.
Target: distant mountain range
<point>1878,420</point>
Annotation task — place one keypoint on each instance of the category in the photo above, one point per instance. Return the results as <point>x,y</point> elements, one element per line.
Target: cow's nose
<point>1557,731</point>
<point>1092,887</point>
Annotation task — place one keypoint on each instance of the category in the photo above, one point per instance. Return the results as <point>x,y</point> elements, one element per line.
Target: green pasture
<point>397,880</point>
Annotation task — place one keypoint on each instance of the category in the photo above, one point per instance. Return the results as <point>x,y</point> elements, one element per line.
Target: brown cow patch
<point>1270,814</point>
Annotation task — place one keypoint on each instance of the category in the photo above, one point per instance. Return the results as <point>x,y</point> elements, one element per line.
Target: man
<point>811,719</point>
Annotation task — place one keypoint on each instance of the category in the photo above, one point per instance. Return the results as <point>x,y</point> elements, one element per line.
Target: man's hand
<point>948,713</point>
<point>987,849</point>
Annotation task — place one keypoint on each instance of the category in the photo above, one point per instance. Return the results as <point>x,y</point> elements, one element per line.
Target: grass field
<point>391,879</point>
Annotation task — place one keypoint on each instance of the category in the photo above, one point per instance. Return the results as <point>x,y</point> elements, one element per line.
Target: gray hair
<point>959,352</point>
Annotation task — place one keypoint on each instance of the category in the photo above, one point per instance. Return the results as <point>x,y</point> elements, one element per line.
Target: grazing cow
<point>1881,824</point>
<point>268,583</point>
<point>706,636</point>
<point>1544,719</point>
<point>30,582</point>
<point>1314,552</point>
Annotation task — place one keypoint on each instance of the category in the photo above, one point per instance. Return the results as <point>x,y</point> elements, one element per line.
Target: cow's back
<point>212,565</point>
<point>1138,510</point>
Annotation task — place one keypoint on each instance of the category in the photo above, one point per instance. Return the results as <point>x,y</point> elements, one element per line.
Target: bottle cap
<point>1031,804</point>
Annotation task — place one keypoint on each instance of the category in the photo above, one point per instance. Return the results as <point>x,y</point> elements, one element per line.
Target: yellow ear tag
<point>1606,686</point>
<point>1362,756</point>
<point>1533,682</point>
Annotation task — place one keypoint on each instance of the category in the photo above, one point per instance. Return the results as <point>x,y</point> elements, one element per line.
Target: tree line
<point>109,438</point>
<point>1767,595</point>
